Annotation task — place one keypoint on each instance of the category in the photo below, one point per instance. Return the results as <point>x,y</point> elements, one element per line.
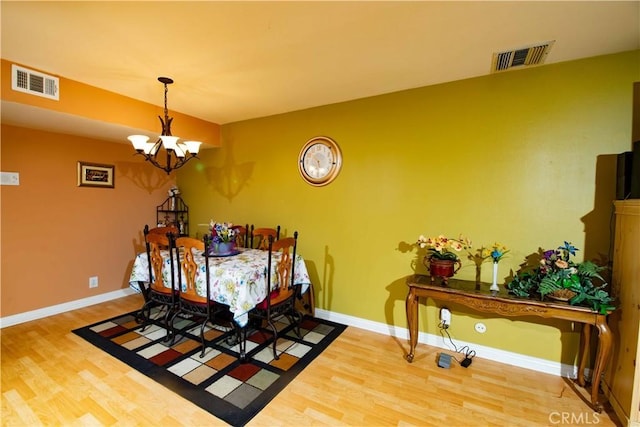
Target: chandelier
<point>178,153</point>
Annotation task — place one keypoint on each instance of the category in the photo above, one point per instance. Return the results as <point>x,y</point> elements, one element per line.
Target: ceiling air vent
<point>34,83</point>
<point>523,57</point>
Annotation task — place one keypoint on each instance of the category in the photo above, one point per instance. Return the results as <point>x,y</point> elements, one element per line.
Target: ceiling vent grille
<point>34,83</point>
<point>522,57</point>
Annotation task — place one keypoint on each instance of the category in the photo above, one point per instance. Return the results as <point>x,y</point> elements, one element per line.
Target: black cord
<point>468,353</point>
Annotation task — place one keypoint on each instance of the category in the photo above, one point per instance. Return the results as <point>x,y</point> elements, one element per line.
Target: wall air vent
<point>34,83</point>
<point>522,57</point>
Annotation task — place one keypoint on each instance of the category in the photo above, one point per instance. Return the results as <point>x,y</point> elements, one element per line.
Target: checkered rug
<point>232,391</point>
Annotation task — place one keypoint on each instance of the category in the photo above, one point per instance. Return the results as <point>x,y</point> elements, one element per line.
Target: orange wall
<point>97,104</point>
<point>55,235</point>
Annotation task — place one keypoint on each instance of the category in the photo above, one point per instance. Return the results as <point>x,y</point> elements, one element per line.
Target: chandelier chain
<point>166,110</point>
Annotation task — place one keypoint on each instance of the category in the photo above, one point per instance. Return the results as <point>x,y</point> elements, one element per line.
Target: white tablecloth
<point>237,281</point>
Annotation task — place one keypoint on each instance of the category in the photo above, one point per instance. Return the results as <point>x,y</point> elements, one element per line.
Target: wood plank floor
<point>52,377</point>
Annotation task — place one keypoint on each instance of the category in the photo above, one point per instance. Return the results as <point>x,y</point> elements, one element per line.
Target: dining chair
<point>156,230</point>
<point>199,308</point>
<point>241,235</point>
<point>281,295</point>
<point>161,270</point>
<point>164,230</point>
<point>260,237</point>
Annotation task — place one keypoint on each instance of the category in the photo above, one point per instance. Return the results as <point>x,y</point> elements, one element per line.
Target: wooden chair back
<point>260,237</point>
<point>155,244</point>
<point>284,269</point>
<point>164,230</point>
<point>241,235</point>
<point>186,248</point>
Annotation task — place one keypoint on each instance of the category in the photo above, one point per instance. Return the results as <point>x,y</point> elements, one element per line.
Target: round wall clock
<point>320,161</point>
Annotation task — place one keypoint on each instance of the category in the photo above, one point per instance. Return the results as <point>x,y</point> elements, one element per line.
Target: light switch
<point>9,178</point>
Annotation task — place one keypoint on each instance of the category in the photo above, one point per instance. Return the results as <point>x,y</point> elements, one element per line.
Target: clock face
<point>320,161</point>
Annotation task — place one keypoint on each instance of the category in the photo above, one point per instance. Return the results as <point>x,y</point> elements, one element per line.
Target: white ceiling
<point>239,60</point>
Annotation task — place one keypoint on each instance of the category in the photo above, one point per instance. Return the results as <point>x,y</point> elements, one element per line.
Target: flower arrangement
<point>557,274</point>
<point>221,232</point>
<point>495,252</point>
<point>174,191</point>
<point>442,247</point>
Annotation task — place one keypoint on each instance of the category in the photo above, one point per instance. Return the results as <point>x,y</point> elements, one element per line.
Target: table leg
<point>412,322</point>
<point>605,342</point>
<point>241,333</point>
<point>585,345</point>
<point>144,290</point>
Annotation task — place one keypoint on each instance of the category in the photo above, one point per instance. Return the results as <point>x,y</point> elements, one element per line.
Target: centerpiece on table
<point>442,257</point>
<point>222,240</point>
<point>558,277</point>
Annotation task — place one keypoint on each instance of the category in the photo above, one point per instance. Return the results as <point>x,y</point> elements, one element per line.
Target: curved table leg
<point>412,322</point>
<point>585,345</point>
<point>605,342</point>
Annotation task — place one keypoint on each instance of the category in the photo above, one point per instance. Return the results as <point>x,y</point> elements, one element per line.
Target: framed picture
<point>95,175</point>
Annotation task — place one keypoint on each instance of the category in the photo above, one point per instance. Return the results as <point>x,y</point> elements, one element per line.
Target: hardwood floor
<point>52,377</point>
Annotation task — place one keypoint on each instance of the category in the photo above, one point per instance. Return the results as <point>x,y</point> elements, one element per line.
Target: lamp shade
<point>193,146</point>
<point>151,148</point>
<point>180,150</point>
<point>169,142</point>
<point>139,141</point>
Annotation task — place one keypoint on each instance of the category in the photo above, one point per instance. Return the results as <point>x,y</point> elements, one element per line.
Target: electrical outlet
<point>481,328</point>
<point>93,281</point>
<point>445,316</point>
<point>9,178</point>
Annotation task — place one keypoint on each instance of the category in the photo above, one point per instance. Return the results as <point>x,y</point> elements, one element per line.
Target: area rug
<point>232,391</point>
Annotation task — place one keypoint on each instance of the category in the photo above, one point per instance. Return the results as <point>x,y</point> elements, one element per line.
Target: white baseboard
<point>510,358</point>
<point>62,308</point>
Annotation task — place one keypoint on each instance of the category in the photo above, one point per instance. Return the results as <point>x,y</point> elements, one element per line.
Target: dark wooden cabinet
<point>635,124</point>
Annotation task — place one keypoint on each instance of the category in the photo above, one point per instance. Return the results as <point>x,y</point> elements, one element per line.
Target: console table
<point>471,295</point>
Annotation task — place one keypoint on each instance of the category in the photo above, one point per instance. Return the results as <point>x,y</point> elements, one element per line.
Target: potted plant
<point>442,257</point>
<point>558,277</point>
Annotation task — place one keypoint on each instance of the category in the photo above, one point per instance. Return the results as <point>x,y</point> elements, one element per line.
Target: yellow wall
<point>526,158</point>
<point>55,235</point>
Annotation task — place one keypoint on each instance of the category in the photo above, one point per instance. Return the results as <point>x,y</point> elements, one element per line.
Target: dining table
<point>237,280</point>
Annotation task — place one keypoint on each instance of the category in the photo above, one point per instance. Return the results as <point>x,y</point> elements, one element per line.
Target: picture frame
<point>96,175</point>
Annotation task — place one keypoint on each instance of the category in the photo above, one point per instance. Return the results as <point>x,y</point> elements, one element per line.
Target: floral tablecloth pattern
<point>237,281</point>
